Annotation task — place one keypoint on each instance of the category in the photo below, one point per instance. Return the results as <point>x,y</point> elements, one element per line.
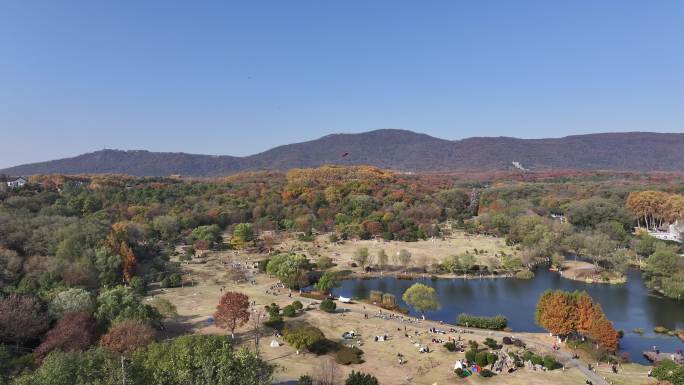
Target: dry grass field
<point>423,253</point>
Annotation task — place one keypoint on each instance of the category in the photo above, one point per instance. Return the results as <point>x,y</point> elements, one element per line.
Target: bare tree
<point>328,373</point>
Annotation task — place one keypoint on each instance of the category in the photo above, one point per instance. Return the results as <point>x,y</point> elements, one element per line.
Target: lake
<point>629,306</point>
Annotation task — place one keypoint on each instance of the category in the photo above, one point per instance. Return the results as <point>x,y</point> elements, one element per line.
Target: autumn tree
<point>649,207</point>
<point>602,332</point>
<point>232,311</point>
<point>585,312</point>
<point>73,332</point>
<point>556,312</point>
<point>118,242</point>
<point>127,336</point>
<point>21,318</point>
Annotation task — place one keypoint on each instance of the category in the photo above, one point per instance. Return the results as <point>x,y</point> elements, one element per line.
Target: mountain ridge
<point>396,149</point>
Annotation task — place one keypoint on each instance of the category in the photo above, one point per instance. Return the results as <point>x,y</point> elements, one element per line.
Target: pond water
<point>629,306</point>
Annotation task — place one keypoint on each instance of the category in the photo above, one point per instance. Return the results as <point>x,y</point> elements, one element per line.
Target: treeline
<point>594,221</point>
<point>183,360</point>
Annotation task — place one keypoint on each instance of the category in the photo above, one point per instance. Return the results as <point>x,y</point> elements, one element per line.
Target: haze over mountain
<point>398,150</point>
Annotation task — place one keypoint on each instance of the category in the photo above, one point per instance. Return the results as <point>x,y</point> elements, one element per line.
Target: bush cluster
<point>497,322</point>
<point>348,356</point>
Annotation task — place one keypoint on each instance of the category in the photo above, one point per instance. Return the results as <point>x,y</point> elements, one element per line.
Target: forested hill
<point>398,150</point>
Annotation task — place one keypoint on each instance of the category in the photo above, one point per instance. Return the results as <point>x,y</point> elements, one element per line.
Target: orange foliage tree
<point>118,241</point>
<point>565,314</point>
<point>556,312</point>
<point>232,311</point>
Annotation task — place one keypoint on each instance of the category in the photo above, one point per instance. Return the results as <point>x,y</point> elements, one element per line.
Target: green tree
<point>421,297</point>
<point>289,268</point>
<point>243,234</point>
<point>327,282</point>
<point>92,367</point>
<point>358,378</point>
<point>662,264</point>
<point>199,360</point>
<point>108,266</point>
<point>120,303</point>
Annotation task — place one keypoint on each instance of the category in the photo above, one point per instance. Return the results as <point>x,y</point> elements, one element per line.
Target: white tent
<point>344,299</point>
<point>275,344</point>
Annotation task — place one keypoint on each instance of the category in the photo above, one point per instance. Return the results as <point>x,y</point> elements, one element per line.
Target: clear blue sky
<point>237,78</point>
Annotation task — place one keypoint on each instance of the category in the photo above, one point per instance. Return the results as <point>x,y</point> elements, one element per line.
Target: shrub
<point>347,356</point>
<point>497,322</point>
<point>537,360</point>
<point>164,307</point>
<point>297,305</point>
<point>491,343</point>
<point>358,378</point>
<point>328,306</point>
<point>486,373</point>
<point>470,355</point>
<point>507,341</point>
<point>481,358</point>
<point>324,262</point>
<point>491,358</point>
<point>302,336</point>
<point>667,370</point>
<point>305,380</point>
<point>289,311</point>
<point>524,274</point>
<point>450,346</point>
<point>172,280</point>
<point>550,363</point>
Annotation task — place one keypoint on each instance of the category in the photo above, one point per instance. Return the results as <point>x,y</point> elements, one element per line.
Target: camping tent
<point>345,299</point>
<point>275,344</point>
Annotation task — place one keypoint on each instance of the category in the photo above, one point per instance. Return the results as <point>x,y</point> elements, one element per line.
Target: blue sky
<point>237,78</point>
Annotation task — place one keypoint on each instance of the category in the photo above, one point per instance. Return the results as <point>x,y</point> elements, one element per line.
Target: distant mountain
<point>399,150</point>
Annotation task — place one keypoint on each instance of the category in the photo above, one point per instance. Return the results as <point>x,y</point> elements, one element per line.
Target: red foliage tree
<point>232,311</point>
<point>127,336</point>
<point>74,331</point>
<point>21,318</point>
